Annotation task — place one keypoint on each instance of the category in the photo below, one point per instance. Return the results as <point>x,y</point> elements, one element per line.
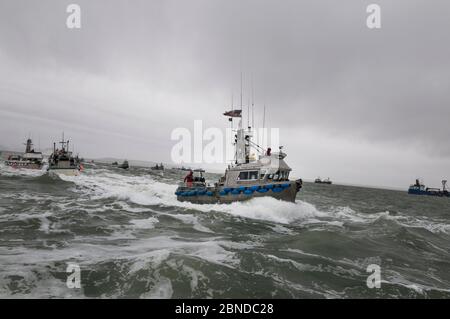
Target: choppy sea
<point>131,238</point>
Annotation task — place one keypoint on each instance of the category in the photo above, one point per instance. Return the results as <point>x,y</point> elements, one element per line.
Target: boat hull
<point>429,193</point>
<point>219,195</point>
<point>65,171</point>
<point>24,164</point>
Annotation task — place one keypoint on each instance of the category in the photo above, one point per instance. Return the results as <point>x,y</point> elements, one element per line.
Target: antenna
<point>232,98</point>
<point>264,125</point>
<point>248,112</point>
<point>253,105</point>
<point>240,67</point>
<point>241,90</point>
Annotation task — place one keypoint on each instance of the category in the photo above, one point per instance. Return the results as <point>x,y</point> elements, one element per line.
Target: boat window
<point>249,175</point>
<point>284,175</point>
<point>276,176</point>
<point>243,176</point>
<point>253,175</point>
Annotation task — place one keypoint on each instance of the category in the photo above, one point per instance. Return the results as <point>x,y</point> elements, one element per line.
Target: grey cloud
<point>314,63</point>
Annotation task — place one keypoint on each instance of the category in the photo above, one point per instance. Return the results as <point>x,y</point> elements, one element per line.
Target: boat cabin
<point>268,168</point>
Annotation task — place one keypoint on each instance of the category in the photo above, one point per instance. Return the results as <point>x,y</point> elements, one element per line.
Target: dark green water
<point>132,239</point>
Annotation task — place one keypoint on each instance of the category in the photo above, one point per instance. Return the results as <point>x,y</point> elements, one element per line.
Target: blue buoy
<point>262,190</point>
<point>201,192</point>
<point>235,192</point>
<point>277,189</point>
<point>254,188</point>
<point>286,185</point>
<point>269,186</point>
<point>223,193</point>
<point>227,189</point>
<point>248,192</point>
<point>209,193</point>
<point>241,188</point>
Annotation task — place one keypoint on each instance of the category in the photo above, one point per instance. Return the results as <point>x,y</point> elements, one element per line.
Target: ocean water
<point>131,238</point>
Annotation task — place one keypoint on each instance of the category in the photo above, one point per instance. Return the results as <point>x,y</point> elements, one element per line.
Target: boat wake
<point>148,191</point>
<point>22,172</point>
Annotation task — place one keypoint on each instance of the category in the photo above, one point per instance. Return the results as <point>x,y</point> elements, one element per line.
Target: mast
<point>63,143</point>
<point>29,145</point>
<point>264,126</point>
<point>248,113</point>
<point>253,106</point>
<point>240,121</point>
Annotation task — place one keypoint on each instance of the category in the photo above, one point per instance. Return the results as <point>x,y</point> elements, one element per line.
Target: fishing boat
<point>157,167</point>
<point>325,181</point>
<point>419,189</point>
<point>266,174</point>
<point>62,161</point>
<point>124,165</point>
<point>29,160</point>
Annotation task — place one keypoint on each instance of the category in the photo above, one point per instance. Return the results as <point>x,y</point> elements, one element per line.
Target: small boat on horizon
<point>419,189</point>
<point>124,165</point>
<point>29,160</point>
<point>325,181</point>
<point>157,167</point>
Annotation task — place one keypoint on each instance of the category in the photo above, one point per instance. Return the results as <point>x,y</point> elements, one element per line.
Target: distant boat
<point>325,181</point>
<point>30,159</point>
<point>419,189</point>
<point>158,167</point>
<point>62,161</point>
<point>124,165</point>
<point>115,164</point>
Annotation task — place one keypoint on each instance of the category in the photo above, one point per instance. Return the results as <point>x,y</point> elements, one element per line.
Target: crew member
<point>189,179</point>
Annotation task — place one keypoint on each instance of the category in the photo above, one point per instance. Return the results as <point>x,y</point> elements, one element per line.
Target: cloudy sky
<point>359,105</point>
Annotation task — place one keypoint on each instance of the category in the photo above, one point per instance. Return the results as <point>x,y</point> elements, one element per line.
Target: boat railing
<point>191,184</point>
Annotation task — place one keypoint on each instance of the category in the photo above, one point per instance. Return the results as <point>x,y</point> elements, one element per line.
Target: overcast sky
<point>359,105</point>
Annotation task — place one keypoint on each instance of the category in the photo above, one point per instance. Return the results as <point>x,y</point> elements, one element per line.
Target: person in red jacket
<point>189,179</point>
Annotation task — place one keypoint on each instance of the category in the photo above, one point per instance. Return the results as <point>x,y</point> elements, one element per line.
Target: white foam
<point>189,219</point>
<point>145,223</point>
<point>394,278</point>
<point>143,190</point>
<point>161,290</point>
<point>24,172</point>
